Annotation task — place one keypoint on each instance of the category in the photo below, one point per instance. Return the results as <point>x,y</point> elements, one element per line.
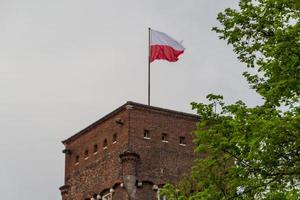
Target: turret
<point>129,163</point>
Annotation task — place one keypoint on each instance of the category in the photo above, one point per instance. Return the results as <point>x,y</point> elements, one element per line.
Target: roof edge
<point>75,136</point>
<point>163,110</point>
<point>119,109</point>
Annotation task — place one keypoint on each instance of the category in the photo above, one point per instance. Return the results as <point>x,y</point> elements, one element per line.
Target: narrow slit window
<point>86,154</point>
<point>114,139</point>
<point>77,160</point>
<point>146,134</point>
<point>95,148</point>
<point>182,140</point>
<point>105,143</point>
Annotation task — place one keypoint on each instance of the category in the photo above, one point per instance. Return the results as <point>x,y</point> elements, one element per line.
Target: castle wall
<point>102,169</point>
<point>153,146</point>
<point>162,161</point>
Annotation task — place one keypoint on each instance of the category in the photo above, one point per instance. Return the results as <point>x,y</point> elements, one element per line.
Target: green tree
<point>252,153</point>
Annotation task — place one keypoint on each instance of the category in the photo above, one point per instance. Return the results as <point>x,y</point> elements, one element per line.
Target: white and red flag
<point>164,47</point>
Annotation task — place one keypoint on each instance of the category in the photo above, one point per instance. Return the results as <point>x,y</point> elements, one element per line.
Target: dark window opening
<point>105,143</point>
<point>77,159</point>
<point>182,140</point>
<point>95,148</point>
<point>86,154</point>
<point>146,134</point>
<point>114,138</point>
<point>164,137</point>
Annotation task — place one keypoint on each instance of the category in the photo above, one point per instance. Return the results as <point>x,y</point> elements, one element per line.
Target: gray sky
<point>66,63</point>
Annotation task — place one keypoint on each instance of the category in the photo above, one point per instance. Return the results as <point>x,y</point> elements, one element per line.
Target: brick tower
<point>128,154</point>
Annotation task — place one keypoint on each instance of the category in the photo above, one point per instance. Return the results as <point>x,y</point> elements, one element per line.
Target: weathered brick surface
<point>146,192</point>
<point>160,161</point>
<point>130,167</point>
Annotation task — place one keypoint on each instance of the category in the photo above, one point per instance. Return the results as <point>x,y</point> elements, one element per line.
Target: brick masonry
<point>132,167</point>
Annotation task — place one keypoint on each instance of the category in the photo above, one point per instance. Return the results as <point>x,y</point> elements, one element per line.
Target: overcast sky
<point>66,63</point>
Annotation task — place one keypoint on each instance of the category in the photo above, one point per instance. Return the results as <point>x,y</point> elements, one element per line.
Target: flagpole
<point>149,53</point>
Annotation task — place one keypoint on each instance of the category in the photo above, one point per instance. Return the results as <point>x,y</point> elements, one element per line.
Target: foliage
<point>265,34</point>
<point>252,153</point>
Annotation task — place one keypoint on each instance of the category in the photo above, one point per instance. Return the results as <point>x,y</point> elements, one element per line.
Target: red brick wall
<point>101,170</point>
<point>161,162</point>
<point>156,162</point>
<point>120,194</point>
<point>146,192</point>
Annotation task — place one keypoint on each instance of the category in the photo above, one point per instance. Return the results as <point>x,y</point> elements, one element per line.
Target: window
<point>105,144</point>
<point>114,138</point>
<point>164,137</point>
<point>182,141</point>
<point>77,160</point>
<point>86,154</point>
<point>95,149</point>
<point>146,134</point>
<point>107,197</point>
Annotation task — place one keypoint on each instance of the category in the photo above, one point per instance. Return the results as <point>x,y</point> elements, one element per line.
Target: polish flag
<point>164,47</point>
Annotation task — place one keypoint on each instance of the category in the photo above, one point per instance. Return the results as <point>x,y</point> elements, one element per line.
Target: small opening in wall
<point>164,137</point>
<point>86,154</point>
<point>77,160</point>
<point>105,144</point>
<point>182,141</point>
<point>114,139</point>
<point>146,134</point>
<point>95,148</point>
